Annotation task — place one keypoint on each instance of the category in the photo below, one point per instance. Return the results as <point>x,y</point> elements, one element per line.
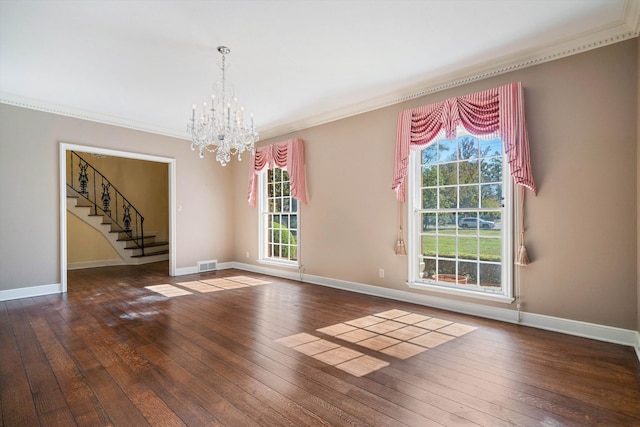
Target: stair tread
<point>151,254</point>
<point>150,245</point>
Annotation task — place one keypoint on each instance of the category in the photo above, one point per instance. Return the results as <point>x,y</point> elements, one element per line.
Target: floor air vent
<point>211,265</point>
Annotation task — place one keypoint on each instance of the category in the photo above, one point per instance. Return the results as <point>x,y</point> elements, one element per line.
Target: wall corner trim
<point>556,324</point>
<point>32,291</point>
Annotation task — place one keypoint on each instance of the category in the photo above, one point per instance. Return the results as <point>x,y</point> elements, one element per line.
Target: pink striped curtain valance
<point>289,154</point>
<point>498,111</point>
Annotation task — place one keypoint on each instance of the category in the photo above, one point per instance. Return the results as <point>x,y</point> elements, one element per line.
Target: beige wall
<point>582,227</point>
<point>86,245</point>
<point>581,113</point>
<point>638,194</point>
<point>29,193</point>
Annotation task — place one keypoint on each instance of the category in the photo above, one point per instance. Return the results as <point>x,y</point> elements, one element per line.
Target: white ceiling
<point>294,63</point>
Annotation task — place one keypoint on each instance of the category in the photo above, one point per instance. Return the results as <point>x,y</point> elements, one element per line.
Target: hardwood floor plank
<point>17,404</point>
<point>82,401</point>
<point>45,391</point>
<point>113,352</point>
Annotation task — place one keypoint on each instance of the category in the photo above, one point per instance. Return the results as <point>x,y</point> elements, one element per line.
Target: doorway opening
<point>65,150</point>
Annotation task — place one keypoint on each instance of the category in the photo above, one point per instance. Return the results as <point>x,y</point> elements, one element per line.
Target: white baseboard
<point>556,324</point>
<point>183,271</point>
<point>93,264</point>
<point>32,291</point>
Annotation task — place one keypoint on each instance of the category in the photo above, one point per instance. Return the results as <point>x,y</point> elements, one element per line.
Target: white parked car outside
<point>473,223</point>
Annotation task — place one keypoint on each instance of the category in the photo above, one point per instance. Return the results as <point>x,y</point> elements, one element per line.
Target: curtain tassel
<point>523,256</point>
<point>400,248</point>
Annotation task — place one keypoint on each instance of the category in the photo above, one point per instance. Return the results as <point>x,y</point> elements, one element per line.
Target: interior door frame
<point>64,147</point>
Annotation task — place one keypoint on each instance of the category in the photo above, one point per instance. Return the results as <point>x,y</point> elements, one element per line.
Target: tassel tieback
<point>523,257</point>
<point>400,248</point>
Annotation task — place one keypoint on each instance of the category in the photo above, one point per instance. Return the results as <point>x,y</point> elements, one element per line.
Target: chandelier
<point>221,128</point>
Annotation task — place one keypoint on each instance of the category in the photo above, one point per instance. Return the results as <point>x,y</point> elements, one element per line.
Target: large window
<point>460,233</point>
<point>279,218</point>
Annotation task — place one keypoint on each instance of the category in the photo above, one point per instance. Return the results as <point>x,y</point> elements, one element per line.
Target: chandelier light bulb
<point>221,129</point>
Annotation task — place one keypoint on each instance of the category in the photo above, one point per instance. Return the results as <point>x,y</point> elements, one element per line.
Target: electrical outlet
<point>381,272</point>
<point>247,254</point>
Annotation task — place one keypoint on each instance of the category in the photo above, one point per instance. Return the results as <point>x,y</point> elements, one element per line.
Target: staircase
<point>117,220</point>
<point>123,244</point>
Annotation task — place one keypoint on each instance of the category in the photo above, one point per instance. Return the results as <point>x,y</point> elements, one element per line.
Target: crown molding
<point>626,28</point>
<point>61,110</point>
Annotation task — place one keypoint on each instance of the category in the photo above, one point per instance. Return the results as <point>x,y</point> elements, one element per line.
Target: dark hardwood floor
<point>241,352</point>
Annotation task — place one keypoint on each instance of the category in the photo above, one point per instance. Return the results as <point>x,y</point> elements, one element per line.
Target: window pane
<point>468,220</point>
<point>428,222</point>
<point>491,169</point>
<point>446,271</point>
<point>294,205</point>
<point>429,198</point>
<point>469,196</point>
<point>490,275</point>
<point>429,154</point>
<point>468,147</point>
<point>492,147</point>
<point>447,246</point>
<point>491,198</point>
<point>429,176</point>
<point>293,224</point>
<point>470,272</point>
<point>469,172</point>
<point>490,249</point>
<point>448,198</point>
<point>427,268</point>
<point>448,174</point>
<point>447,223</point>
<point>429,245</point>
<point>468,247</point>
<point>447,150</point>
<point>286,204</point>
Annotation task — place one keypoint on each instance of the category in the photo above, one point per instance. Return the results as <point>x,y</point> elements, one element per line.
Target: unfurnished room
<point>319,212</point>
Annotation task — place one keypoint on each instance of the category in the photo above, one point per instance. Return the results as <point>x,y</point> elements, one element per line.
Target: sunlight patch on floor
<point>206,286</point>
<point>168,290</point>
<point>396,333</point>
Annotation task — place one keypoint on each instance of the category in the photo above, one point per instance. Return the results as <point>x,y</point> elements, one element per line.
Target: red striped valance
<point>289,154</point>
<point>498,111</point>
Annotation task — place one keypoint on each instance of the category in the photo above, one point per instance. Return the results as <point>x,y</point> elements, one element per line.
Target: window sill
<point>283,264</point>
<point>461,292</point>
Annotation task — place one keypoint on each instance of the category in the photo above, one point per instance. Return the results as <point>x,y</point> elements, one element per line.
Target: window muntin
<point>461,234</point>
<point>279,219</point>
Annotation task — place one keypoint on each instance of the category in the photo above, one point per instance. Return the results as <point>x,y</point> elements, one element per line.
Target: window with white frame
<point>279,218</point>
<point>460,235</point>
